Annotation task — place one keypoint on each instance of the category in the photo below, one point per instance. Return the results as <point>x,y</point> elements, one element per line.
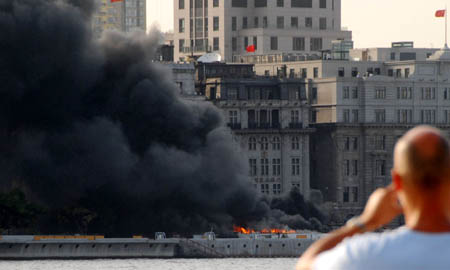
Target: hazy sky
<point>375,23</point>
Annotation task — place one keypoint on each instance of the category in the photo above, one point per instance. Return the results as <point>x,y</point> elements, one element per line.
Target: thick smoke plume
<point>96,133</point>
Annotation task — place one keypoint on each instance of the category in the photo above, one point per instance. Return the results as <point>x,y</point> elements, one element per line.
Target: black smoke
<point>95,132</point>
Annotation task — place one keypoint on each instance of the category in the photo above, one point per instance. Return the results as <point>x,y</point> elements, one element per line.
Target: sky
<point>375,23</point>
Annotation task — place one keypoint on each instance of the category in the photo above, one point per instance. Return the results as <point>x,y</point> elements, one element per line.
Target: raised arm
<point>381,209</point>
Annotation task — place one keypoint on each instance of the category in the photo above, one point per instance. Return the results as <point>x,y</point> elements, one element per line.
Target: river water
<point>143,264</point>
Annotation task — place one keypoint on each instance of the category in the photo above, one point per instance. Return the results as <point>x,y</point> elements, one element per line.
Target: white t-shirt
<point>395,250</point>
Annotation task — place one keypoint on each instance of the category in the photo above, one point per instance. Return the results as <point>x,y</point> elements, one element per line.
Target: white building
<point>272,26</point>
<point>126,15</point>
<point>359,110</point>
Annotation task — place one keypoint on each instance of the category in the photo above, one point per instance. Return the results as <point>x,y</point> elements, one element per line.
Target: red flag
<point>440,13</point>
<point>251,48</point>
<point>112,1</point>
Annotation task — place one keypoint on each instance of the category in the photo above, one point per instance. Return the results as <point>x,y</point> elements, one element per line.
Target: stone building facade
<point>269,119</point>
<point>359,110</point>
<point>272,26</point>
<point>126,15</point>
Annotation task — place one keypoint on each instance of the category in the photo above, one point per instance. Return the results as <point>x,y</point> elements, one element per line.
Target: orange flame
<point>243,230</point>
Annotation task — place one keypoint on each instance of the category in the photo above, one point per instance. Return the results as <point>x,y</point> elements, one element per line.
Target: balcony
<point>296,125</point>
<point>264,125</point>
<point>196,49</point>
<point>234,126</point>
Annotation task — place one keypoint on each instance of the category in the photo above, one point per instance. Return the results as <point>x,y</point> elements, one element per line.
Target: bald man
<point>420,190</point>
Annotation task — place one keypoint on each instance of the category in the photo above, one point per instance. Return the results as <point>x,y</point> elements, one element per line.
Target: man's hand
<point>382,208</point>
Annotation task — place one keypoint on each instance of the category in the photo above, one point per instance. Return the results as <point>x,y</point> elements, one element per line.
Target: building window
<point>301,3</point>
<point>274,43</point>
<point>276,167</point>
<point>355,143</point>
<point>354,72</point>
<point>252,144</point>
<point>380,167</point>
<point>180,4</point>
<point>380,142</point>
<point>347,143</point>
<point>232,93</point>
<point>256,22</point>
<point>215,23</point>
<point>280,22</point>
<point>316,72</point>
<point>323,3</point>
<point>215,44</point>
<point>346,92</point>
<point>390,72</point>
<point>380,116</point>
<point>428,116</point>
<point>404,92</point>
<point>304,73</point>
<point>407,71</point>
<point>239,3</point>
<point>323,23</point>
<point>234,44</point>
<point>346,116</point>
<point>355,194</point>
<point>260,3</point>
<point>428,93</point>
<point>245,43</point>
<point>181,25</point>
<point>308,22</point>
<point>264,166</point>
<point>404,116</point>
<point>280,3</point>
<point>264,144</point>
<point>355,116</point>
<point>346,194</point>
<point>355,167</point>
<point>233,23</point>
<point>355,92</point>
<point>252,163</point>
<point>265,22</point>
<point>233,117</point>
<point>276,188</point>
<point>296,166</point>
<point>215,3</point>
<point>316,44</point>
<point>380,93</point>
<point>341,72</point>
<point>295,117</point>
<point>298,44</point>
<point>346,167</point>
<point>265,189</point>
<point>181,45</point>
<point>255,42</point>
<point>244,22</point>
<point>295,143</point>
<point>276,143</point>
<point>447,116</point>
<point>446,93</point>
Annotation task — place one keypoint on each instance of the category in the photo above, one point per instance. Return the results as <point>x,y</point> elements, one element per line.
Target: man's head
<point>422,157</point>
<point>421,171</point>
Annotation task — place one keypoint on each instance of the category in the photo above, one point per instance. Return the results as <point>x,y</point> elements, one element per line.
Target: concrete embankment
<point>144,248</point>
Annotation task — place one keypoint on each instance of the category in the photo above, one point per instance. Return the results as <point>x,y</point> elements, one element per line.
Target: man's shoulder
<point>357,251</point>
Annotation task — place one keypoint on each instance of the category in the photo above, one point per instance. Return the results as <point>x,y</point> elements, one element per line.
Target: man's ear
<point>397,181</point>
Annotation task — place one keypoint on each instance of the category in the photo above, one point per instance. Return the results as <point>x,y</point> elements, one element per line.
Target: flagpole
<point>446,32</point>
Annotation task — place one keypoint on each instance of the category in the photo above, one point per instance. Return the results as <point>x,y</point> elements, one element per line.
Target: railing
<point>264,125</point>
<point>205,249</point>
<point>234,125</point>
<point>296,125</point>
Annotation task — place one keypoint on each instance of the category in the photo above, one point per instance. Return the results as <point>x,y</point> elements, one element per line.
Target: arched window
<point>276,143</point>
<point>295,143</point>
<point>264,144</point>
<point>252,143</point>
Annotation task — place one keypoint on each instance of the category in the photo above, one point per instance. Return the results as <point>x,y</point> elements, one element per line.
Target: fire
<point>243,230</point>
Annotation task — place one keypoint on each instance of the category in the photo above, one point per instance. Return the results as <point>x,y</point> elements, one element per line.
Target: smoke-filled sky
<point>95,126</point>
<point>374,23</point>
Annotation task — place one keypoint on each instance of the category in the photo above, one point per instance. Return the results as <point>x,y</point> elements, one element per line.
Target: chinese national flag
<point>440,13</point>
<point>112,1</point>
<point>251,48</point>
